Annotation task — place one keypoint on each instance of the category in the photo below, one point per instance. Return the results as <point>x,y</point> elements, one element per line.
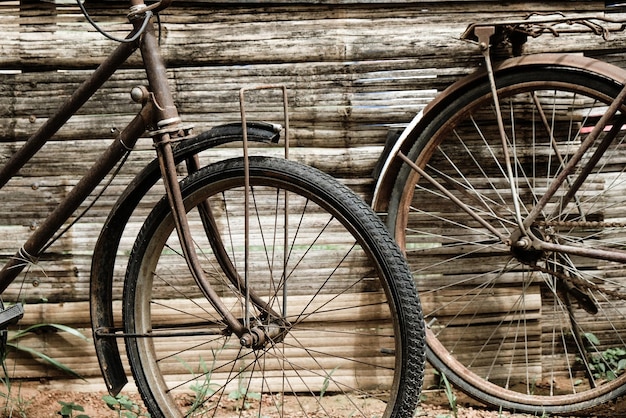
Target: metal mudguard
<point>389,166</point>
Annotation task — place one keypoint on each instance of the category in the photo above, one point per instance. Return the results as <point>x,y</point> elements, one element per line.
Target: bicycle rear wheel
<point>535,331</point>
<point>325,281</point>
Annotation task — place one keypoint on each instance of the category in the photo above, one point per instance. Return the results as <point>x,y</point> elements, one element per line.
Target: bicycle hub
<point>523,249</point>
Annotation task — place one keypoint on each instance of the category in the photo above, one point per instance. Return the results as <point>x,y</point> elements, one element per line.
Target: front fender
<point>390,165</point>
<point>105,251</point>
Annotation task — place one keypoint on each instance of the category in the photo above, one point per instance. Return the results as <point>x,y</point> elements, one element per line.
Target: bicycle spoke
<point>317,303</point>
<point>526,315</point>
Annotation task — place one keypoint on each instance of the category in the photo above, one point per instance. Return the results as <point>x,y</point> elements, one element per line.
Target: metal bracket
<point>242,107</point>
<point>484,33</point>
<point>246,162</point>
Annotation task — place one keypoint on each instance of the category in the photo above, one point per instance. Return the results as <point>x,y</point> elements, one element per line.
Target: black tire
<point>512,326</point>
<point>349,339</point>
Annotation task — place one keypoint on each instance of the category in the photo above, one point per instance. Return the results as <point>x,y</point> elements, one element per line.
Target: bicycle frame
<point>253,324</point>
<point>158,114</point>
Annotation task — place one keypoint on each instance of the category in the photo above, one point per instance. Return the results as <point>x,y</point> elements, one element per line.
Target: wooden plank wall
<point>354,70</point>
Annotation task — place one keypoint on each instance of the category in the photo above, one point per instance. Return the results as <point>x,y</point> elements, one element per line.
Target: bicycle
<point>238,270</point>
<point>506,196</point>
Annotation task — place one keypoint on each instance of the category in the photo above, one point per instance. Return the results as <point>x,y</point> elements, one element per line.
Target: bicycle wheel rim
<point>505,333</point>
<point>311,372</point>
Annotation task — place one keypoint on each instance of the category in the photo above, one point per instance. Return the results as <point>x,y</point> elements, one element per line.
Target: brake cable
<point>136,36</point>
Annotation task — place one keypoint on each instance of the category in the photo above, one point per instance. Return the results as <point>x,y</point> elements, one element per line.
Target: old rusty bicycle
<point>253,276</point>
<point>507,197</point>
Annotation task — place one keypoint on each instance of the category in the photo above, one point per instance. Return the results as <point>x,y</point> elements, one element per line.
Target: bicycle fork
<point>249,335</point>
<point>167,130</point>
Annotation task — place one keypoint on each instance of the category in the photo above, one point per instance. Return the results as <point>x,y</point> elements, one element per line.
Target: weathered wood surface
<point>353,69</point>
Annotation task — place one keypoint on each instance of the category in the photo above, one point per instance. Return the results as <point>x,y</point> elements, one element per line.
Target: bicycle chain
<point>576,280</point>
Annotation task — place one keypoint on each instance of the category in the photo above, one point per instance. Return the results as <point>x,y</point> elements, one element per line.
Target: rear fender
<point>389,165</point>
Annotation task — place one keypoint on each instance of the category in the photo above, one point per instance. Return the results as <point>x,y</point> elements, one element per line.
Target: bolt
<point>246,340</point>
<point>139,94</point>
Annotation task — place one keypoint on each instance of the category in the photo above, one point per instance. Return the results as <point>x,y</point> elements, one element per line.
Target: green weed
<point>607,364</point>
<point>69,408</point>
<point>124,406</point>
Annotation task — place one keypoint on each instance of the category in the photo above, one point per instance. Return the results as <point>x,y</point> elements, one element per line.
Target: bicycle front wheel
<point>526,329</point>
<point>320,278</point>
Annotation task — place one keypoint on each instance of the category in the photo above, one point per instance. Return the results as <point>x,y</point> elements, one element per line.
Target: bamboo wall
<point>354,69</point>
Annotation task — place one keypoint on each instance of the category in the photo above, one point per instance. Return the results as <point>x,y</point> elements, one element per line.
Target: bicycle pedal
<point>11,315</point>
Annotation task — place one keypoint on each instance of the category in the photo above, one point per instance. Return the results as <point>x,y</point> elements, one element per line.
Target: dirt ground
<point>41,400</point>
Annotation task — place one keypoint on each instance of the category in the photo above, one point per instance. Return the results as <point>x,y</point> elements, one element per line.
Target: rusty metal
<point>166,114</point>
<point>453,198</point>
<point>138,7</point>
<point>166,121</point>
<point>108,243</point>
<point>158,113</point>
<point>46,230</point>
<point>116,333</point>
<point>71,106</point>
<point>591,162</point>
<point>160,116</point>
<point>576,281</point>
<point>31,248</point>
<point>391,164</point>
<point>484,33</point>
<point>557,152</point>
<point>535,25</point>
<point>125,140</point>
<point>217,245</point>
<point>249,338</point>
<point>244,117</point>
<point>581,224</point>
<point>577,156</point>
<point>516,32</point>
<point>612,254</point>
<point>170,179</point>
